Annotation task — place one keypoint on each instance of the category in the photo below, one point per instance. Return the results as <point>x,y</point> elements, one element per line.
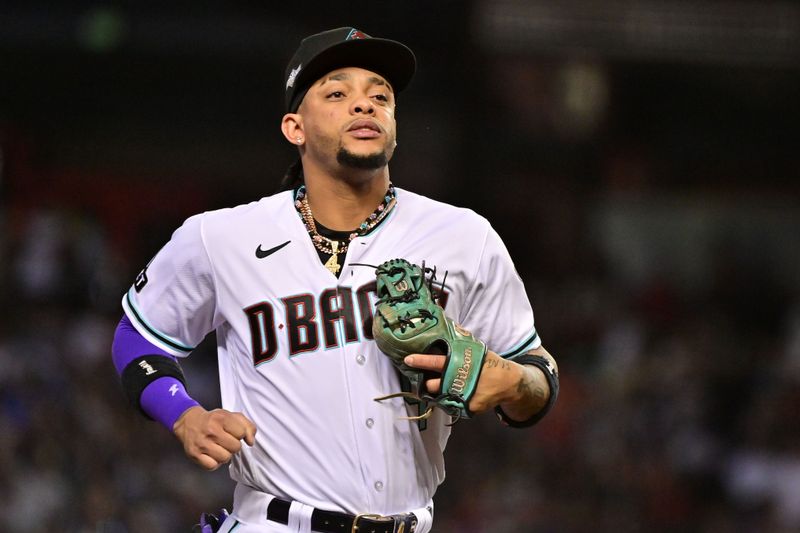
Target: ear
<point>292,128</point>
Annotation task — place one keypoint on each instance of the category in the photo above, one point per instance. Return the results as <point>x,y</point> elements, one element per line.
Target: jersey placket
<point>368,430</point>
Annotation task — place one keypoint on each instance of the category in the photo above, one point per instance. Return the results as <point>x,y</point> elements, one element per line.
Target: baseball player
<point>282,281</point>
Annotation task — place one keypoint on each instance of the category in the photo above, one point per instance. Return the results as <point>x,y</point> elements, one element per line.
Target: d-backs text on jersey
<point>306,329</point>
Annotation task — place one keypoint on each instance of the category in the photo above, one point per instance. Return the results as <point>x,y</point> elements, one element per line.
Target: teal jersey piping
<point>522,347</point>
<point>172,343</point>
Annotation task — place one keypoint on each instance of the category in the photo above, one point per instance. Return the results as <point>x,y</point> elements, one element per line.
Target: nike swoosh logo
<point>261,254</point>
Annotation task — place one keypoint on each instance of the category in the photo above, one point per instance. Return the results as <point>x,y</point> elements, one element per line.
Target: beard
<point>362,162</point>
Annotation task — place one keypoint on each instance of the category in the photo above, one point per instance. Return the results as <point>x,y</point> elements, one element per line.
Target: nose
<point>363,106</point>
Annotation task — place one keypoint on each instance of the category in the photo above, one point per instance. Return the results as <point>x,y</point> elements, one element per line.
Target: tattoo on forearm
<point>502,363</point>
<point>530,391</point>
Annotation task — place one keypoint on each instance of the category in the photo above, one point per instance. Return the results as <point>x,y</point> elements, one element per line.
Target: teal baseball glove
<point>408,320</point>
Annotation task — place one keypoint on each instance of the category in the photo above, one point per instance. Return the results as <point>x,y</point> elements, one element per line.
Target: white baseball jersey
<point>296,354</point>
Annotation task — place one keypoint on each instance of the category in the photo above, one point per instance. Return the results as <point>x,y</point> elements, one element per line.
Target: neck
<point>342,204</point>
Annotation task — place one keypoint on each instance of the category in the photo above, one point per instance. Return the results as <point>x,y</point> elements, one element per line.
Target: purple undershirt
<point>165,399</point>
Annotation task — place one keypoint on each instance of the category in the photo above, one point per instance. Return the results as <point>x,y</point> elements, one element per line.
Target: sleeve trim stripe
<point>522,347</point>
<point>137,316</point>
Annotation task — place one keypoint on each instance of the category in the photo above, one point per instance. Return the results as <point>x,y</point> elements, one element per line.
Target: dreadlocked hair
<point>293,177</point>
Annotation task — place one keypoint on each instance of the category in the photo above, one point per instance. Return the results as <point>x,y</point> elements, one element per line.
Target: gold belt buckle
<point>369,516</point>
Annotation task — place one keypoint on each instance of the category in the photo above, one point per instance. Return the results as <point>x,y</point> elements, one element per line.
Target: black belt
<point>334,522</point>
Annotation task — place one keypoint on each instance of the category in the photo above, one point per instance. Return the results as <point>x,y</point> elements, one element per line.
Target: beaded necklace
<point>332,246</point>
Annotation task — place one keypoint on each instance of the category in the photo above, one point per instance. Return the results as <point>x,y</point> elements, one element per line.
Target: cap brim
<point>391,59</point>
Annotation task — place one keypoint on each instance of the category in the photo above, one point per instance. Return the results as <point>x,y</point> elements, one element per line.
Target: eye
<point>336,94</point>
<point>381,97</point>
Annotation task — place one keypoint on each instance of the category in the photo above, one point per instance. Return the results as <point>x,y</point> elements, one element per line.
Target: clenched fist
<point>210,438</point>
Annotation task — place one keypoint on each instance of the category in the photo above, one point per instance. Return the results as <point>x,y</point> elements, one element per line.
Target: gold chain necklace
<point>332,246</point>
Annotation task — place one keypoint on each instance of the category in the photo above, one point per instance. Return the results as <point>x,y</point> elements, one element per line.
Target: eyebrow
<point>342,76</point>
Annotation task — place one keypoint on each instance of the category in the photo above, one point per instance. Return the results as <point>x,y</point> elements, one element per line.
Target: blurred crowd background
<point>641,161</point>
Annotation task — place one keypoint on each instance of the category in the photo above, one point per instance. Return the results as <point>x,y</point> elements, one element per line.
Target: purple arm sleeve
<point>165,399</point>
<point>129,344</point>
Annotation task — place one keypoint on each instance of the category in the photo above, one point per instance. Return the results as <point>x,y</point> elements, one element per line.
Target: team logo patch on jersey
<point>293,76</point>
<point>356,34</point>
<point>141,280</point>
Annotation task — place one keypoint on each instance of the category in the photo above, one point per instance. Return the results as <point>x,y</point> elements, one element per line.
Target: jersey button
<point>370,422</point>
<point>379,485</point>
<point>360,359</point>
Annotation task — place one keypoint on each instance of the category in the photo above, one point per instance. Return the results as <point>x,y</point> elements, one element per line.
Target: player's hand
<point>497,383</point>
<point>210,438</point>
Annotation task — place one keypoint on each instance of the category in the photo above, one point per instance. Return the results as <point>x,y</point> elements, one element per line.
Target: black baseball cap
<point>346,47</point>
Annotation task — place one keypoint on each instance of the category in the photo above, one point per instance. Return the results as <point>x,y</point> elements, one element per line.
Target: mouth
<point>365,129</point>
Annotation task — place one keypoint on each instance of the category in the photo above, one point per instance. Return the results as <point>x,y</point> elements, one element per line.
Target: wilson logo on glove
<point>462,373</point>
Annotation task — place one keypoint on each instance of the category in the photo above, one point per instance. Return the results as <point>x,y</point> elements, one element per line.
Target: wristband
<point>552,381</point>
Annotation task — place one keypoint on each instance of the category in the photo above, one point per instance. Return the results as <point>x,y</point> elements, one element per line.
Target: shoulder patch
<point>141,280</point>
